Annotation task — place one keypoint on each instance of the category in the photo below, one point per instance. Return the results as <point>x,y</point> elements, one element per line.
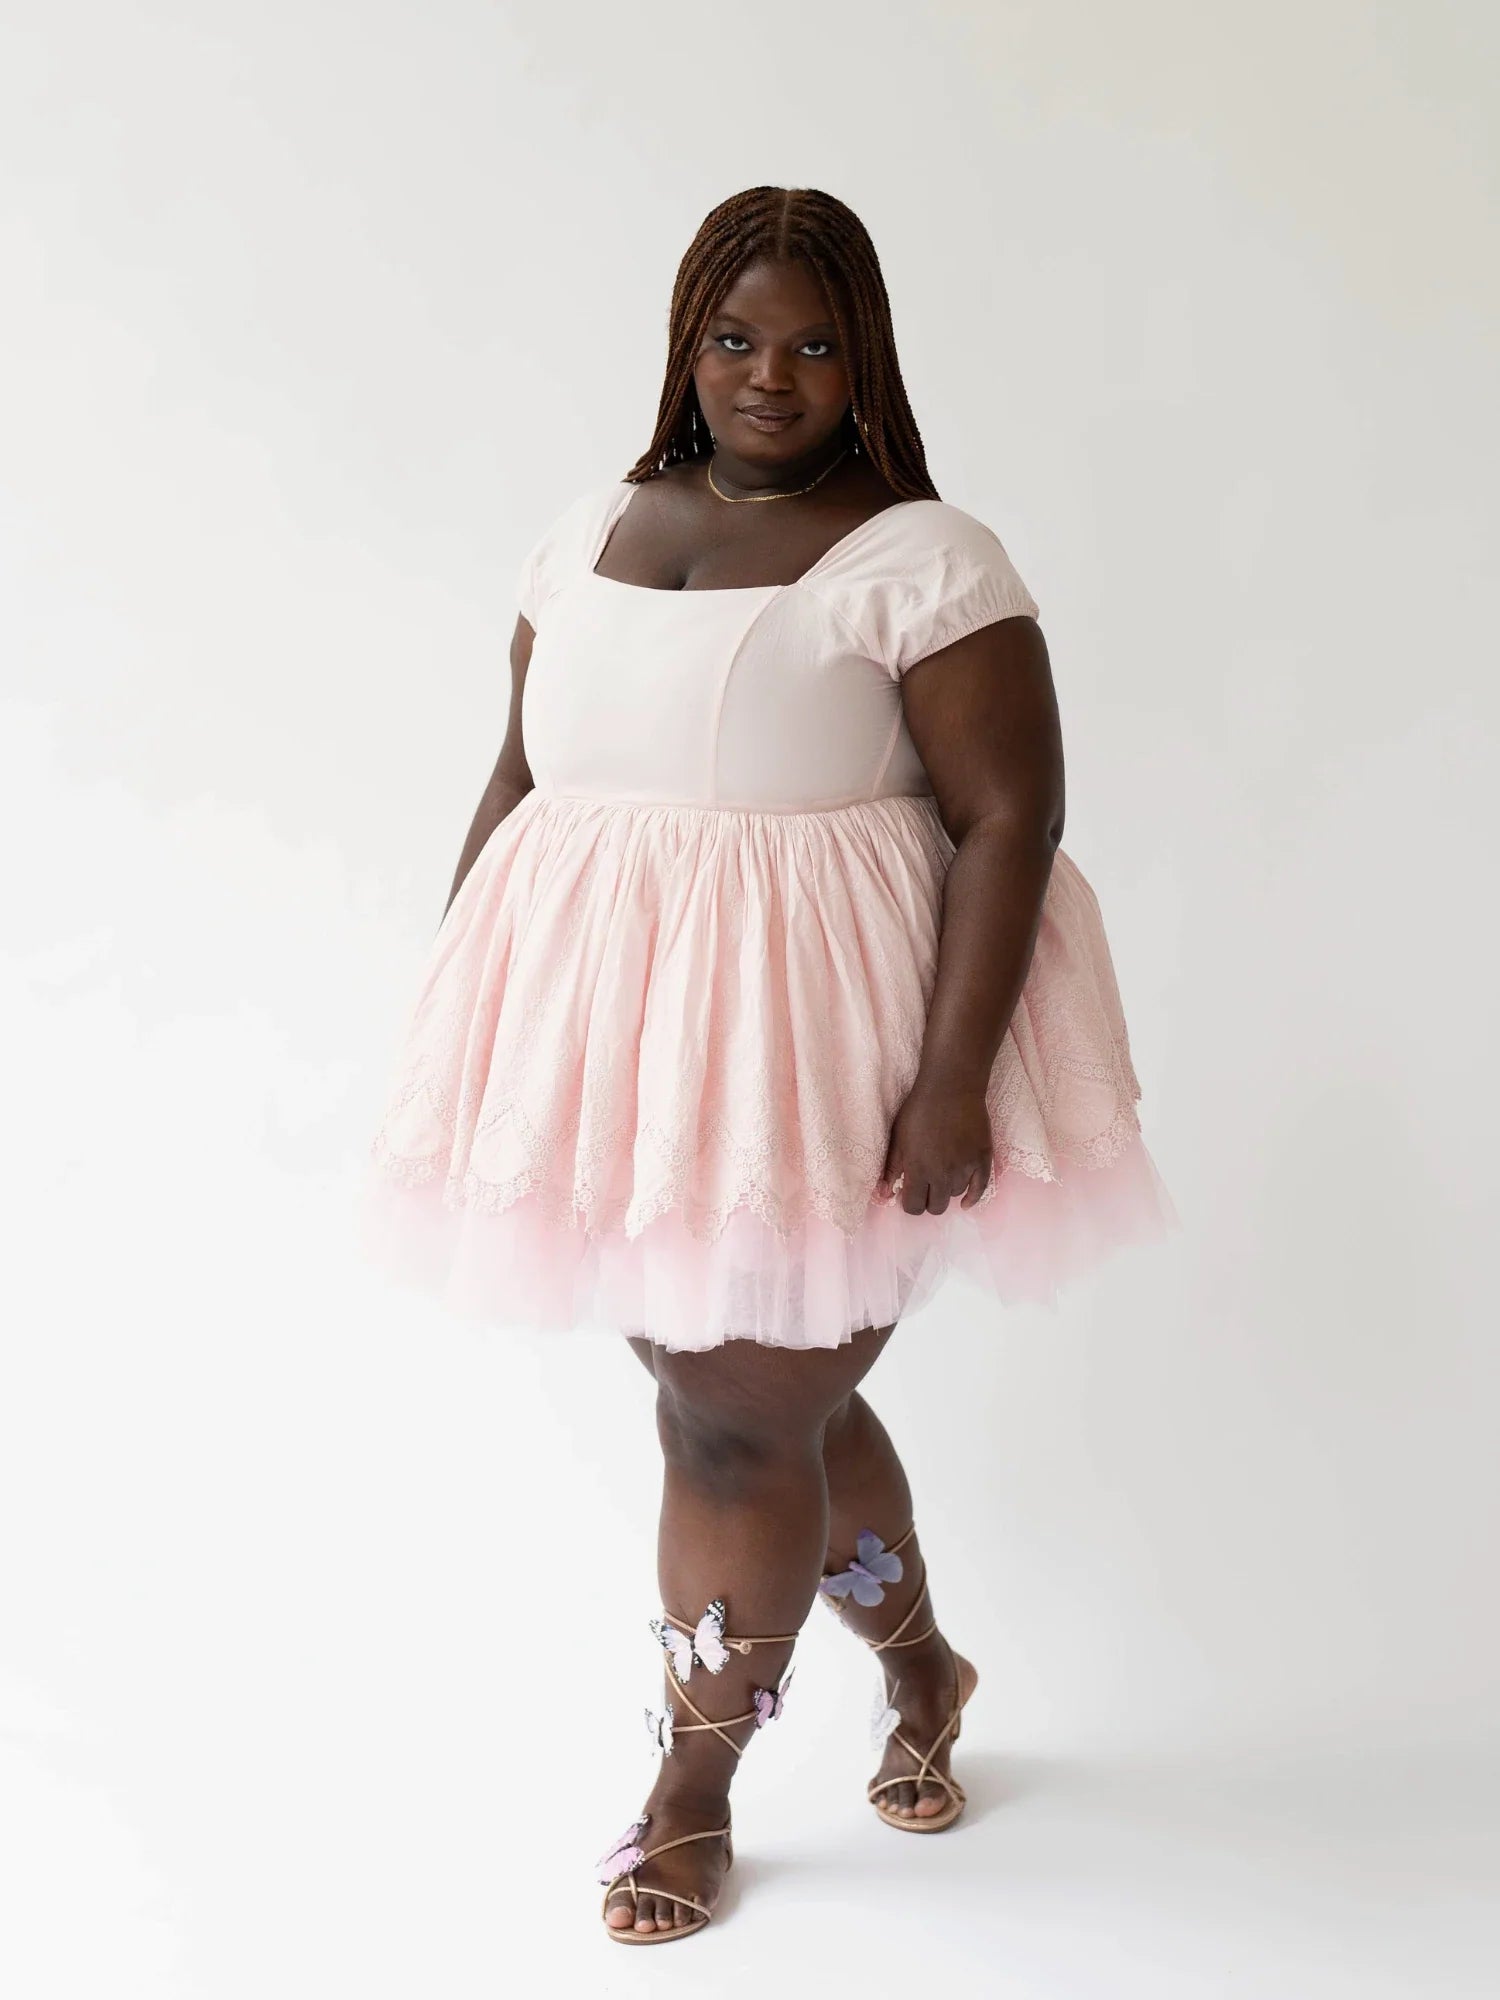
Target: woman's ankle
<point>691,1801</point>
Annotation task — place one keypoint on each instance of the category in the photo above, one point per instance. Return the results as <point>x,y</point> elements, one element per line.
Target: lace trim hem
<point>576,1204</point>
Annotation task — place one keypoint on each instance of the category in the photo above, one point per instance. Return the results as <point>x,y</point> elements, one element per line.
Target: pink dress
<point>649,1079</point>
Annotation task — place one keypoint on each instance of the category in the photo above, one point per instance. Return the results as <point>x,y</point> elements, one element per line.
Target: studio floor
<point>379,1849</point>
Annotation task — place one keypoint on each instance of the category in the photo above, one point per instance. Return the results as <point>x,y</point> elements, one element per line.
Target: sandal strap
<point>735,1645</point>
<point>682,1840</point>
<point>704,1721</point>
<point>679,1692</point>
<point>636,1890</point>
<point>627,1879</point>
<point>895,1639</point>
<point>924,1773</point>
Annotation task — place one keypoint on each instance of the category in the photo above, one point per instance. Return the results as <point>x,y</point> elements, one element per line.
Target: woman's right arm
<point>511,778</point>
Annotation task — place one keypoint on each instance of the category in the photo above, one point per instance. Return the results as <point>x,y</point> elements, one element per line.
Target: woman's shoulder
<point>565,542</point>
<point>920,575</point>
<point>586,507</point>
<point>927,524</point>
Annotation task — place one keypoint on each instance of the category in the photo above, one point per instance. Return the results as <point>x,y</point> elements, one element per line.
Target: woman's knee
<point>728,1451</point>
<point>733,1411</point>
<point>727,1439</point>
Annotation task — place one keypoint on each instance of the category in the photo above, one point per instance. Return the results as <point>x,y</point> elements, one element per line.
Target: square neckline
<point>631,486</point>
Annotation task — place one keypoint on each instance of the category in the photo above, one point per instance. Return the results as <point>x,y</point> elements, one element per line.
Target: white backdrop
<point>322,1618</point>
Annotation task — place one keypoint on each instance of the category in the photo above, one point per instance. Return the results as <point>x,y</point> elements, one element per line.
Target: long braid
<point>807,225</point>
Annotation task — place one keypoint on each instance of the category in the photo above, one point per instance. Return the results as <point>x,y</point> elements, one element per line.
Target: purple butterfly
<point>701,1648</point>
<point>864,1580</point>
<point>625,1856</point>
<point>768,1705</point>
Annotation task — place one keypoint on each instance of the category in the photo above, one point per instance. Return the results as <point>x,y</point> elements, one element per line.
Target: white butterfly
<point>659,1728</point>
<point>883,1716</point>
<point>702,1648</point>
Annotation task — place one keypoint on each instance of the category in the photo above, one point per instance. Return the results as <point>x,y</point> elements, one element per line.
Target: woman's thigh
<point>757,1390</point>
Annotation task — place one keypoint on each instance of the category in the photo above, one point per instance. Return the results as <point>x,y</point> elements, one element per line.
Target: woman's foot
<point>925,1697</point>
<point>924,1677</point>
<point>695,1870</point>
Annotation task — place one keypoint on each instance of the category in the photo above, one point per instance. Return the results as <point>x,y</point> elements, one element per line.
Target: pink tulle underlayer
<point>813,1288</point>
<point>649,1082</point>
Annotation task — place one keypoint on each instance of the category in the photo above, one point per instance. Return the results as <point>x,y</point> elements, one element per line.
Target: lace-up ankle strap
<point>708,1645</point>
<point>895,1639</point>
<point>719,1728</point>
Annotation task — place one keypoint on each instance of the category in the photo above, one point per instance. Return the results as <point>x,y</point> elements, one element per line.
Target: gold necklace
<point>738,499</point>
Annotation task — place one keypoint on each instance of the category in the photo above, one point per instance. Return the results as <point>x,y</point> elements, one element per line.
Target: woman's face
<point>772,345</point>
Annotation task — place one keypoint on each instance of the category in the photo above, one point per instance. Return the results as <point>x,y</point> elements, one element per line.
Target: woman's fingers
<point>931,1193</point>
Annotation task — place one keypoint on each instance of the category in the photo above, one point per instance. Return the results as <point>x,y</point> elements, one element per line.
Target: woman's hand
<point>941,1145</point>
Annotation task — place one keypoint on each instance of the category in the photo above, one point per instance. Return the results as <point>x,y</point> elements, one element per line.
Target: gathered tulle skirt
<point>648,1082</point>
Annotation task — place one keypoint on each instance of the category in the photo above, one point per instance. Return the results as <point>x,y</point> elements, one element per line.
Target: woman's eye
<point>723,338</point>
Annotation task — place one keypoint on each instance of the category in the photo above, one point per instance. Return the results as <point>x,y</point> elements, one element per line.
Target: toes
<point>645,1914</point>
<point>619,1915</point>
<point>915,1799</point>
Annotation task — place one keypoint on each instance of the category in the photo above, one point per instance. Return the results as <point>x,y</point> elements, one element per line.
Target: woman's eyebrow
<point>818,326</point>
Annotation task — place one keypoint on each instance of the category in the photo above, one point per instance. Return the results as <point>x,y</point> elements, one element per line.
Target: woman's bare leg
<point>867,1488</point>
<point>744,1517</point>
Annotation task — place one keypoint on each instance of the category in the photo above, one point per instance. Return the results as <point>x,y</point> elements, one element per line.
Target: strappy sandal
<point>705,1645</point>
<point>864,1579</point>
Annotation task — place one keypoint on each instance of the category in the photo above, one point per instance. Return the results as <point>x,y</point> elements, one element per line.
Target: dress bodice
<point>774,697</point>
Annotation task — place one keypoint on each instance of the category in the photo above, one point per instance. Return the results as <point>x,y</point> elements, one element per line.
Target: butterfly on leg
<point>865,1579</point>
<point>703,1647</point>
<point>884,1716</point>
<point>768,1704</point>
<point>659,1727</point>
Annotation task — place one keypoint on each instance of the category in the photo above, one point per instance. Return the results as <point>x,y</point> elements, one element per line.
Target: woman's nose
<point>771,373</point>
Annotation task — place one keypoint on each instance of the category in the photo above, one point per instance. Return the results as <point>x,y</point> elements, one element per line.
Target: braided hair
<point>814,228</point>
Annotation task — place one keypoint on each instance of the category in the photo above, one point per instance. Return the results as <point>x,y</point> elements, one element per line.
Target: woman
<point>765,997</point>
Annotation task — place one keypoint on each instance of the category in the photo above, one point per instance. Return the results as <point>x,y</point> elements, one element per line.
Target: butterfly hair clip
<point>865,1578</point>
<point>659,1727</point>
<point>625,1856</point>
<point>703,1647</point>
<point>768,1704</point>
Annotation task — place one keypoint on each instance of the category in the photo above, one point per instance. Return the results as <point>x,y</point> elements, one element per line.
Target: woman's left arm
<point>983,716</point>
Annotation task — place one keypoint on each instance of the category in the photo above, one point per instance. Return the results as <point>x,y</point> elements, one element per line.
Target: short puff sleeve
<point>558,553</point>
<point>937,575</point>
<point>531,586</point>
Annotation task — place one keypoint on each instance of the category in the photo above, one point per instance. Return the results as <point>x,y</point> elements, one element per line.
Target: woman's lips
<point>764,420</point>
